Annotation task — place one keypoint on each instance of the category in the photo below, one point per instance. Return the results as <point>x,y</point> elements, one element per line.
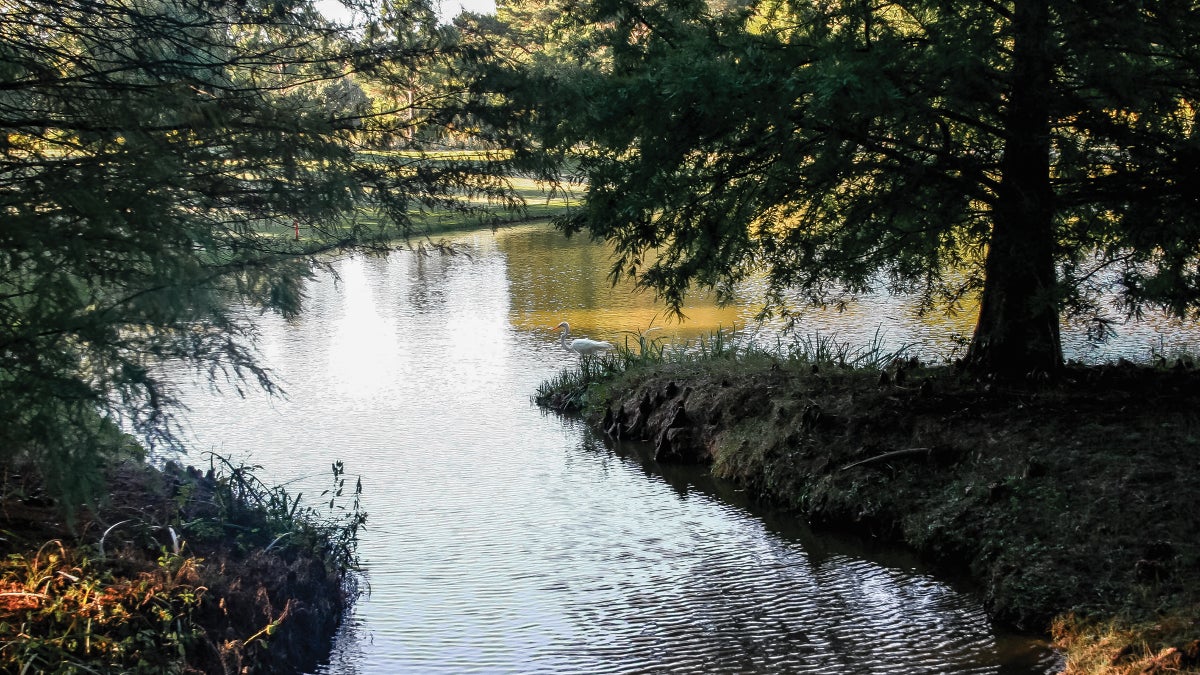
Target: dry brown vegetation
<point>173,572</point>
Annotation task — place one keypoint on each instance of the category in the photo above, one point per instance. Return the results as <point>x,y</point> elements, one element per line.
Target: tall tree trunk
<point>1018,329</point>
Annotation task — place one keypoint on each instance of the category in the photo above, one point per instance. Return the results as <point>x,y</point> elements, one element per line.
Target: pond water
<point>553,280</point>
<point>505,540</point>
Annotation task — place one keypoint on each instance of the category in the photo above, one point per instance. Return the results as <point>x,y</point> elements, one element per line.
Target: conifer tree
<point>167,169</point>
<point>1021,150</point>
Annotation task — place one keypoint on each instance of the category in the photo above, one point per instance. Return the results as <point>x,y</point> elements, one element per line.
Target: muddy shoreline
<point>1070,503</point>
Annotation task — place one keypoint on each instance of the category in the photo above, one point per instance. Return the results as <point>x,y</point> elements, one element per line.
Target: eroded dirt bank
<point>1074,504</point>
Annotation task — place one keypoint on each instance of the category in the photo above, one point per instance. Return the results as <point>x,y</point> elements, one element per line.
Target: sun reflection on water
<point>364,354</point>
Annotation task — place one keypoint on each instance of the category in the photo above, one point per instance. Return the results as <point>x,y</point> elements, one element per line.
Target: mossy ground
<point>175,571</point>
<point>1073,503</point>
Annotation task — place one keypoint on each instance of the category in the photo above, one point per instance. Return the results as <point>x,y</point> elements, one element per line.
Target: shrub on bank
<point>177,571</point>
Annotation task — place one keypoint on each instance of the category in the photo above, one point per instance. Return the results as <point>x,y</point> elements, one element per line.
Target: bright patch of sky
<point>447,9</point>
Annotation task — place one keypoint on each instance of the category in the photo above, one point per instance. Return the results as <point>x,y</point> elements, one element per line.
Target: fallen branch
<point>887,455</point>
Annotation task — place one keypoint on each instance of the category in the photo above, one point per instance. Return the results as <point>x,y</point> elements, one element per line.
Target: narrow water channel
<point>505,540</point>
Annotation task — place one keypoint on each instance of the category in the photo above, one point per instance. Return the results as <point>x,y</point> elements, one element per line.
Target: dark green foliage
<point>156,161</point>
<point>1029,152</point>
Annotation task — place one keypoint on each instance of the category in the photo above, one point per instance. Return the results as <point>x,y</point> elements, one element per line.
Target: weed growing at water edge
<point>269,513</point>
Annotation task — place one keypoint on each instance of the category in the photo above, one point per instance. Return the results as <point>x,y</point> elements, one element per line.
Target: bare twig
<point>888,455</point>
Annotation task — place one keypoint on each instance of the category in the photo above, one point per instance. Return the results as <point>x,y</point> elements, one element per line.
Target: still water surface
<point>505,540</point>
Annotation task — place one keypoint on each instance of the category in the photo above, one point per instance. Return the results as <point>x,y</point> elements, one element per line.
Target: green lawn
<point>540,201</point>
<point>535,201</point>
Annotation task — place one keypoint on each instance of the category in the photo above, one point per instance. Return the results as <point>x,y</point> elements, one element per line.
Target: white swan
<point>582,346</point>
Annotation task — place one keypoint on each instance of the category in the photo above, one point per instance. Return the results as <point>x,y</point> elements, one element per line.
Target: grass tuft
<point>576,387</point>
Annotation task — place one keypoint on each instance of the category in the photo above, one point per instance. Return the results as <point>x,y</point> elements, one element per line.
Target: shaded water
<point>505,540</point>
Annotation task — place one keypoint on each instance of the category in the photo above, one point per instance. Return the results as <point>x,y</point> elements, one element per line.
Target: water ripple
<point>503,540</point>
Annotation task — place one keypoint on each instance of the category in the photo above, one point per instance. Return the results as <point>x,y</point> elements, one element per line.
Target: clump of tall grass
<point>827,350</point>
<point>574,386</point>
<point>329,528</point>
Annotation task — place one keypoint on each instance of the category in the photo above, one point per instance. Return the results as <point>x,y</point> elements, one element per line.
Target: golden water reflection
<point>553,278</point>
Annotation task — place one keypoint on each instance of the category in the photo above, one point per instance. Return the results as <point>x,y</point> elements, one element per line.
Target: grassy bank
<point>1072,503</point>
<point>537,201</point>
<point>530,200</point>
<point>177,570</point>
